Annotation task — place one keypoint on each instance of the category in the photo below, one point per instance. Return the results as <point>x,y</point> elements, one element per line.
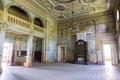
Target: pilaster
<point>28,62</point>
<point>17,48</point>
<point>46,60</point>
<point>5,15</point>
<point>2,39</point>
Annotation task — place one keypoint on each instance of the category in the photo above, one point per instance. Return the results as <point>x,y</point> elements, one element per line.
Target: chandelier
<point>73,27</point>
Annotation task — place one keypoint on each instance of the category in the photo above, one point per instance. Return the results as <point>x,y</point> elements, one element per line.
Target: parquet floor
<point>62,71</point>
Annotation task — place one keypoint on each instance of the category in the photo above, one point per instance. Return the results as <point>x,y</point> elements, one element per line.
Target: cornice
<point>40,6</point>
<point>86,16</point>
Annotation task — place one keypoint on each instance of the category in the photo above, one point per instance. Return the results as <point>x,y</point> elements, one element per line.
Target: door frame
<point>59,52</point>
<point>108,42</point>
<point>42,49</point>
<point>7,55</point>
<point>103,53</point>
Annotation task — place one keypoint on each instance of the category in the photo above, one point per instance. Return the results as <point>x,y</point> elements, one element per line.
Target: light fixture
<point>73,27</point>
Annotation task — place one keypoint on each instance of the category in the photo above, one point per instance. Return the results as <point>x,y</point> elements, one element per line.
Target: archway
<point>18,12</point>
<point>1,5</point>
<point>38,22</point>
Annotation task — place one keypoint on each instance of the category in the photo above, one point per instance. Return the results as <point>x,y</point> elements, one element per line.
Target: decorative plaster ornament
<point>60,7</point>
<point>65,1</point>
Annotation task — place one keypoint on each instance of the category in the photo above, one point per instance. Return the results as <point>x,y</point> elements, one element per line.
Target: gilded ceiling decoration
<point>88,1</point>
<point>62,9</point>
<point>65,1</point>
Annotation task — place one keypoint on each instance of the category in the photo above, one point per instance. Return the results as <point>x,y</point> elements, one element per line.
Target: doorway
<point>61,53</point>
<point>37,49</point>
<point>110,56</point>
<point>107,54</point>
<point>7,54</point>
<point>37,56</point>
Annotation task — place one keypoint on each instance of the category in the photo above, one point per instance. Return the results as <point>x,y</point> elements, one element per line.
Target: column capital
<point>117,35</point>
<point>3,26</point>
<point>31,33</point>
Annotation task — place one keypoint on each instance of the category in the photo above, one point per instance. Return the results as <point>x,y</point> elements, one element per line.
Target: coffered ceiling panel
<point>62,9</point>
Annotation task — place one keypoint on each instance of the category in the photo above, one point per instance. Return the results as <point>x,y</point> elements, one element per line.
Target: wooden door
<point>62,53</point>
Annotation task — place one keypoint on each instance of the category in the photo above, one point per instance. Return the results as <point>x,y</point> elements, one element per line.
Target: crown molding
<point>81,17</point>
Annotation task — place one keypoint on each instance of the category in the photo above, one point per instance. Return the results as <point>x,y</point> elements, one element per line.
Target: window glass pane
<point>117,15</point>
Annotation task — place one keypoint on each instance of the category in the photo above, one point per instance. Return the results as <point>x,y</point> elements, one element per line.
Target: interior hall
<point>59,39</point>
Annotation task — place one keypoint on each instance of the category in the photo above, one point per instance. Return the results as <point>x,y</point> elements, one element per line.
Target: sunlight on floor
<point>108,63</point>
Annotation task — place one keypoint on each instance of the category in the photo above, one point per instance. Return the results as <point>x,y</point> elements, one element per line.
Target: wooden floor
<point>62,71</point>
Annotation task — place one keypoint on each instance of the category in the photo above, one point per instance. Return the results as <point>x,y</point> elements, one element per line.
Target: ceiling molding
<point>64,11</point>
<point>86,16</point>
<point>43,8</point>
<point>82,14</point>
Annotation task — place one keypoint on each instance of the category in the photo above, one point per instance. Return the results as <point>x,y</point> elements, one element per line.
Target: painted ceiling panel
<point>44,3</point>
<point>62,9</point>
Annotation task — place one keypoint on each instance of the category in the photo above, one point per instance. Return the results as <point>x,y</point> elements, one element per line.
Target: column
<point>46,43</point>
<point>46,50</point>
<point>46,60</point>
<point>17,49</point>
<point>2,39</point>
<point>28,62</point>
<point>98,49</point>
<point>5,11</point>
<point>43,51</point>
<point>119,49</point>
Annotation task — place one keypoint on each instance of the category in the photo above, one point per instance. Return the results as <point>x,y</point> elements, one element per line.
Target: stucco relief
<point>65,1</point>
<point>89,1</point>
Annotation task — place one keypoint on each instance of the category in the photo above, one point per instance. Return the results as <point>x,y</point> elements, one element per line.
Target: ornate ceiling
<point>62,9</point>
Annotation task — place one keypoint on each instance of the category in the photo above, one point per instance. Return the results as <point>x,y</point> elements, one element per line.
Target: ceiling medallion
<point>60,7</point>
<point>89,1</point>
<point>65,1</point>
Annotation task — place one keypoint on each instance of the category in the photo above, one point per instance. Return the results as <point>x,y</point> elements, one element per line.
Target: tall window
<point>118,15</point>
<point>117,21</point>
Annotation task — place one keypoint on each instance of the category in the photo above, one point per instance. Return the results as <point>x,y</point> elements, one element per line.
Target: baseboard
<point>69,61</point>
